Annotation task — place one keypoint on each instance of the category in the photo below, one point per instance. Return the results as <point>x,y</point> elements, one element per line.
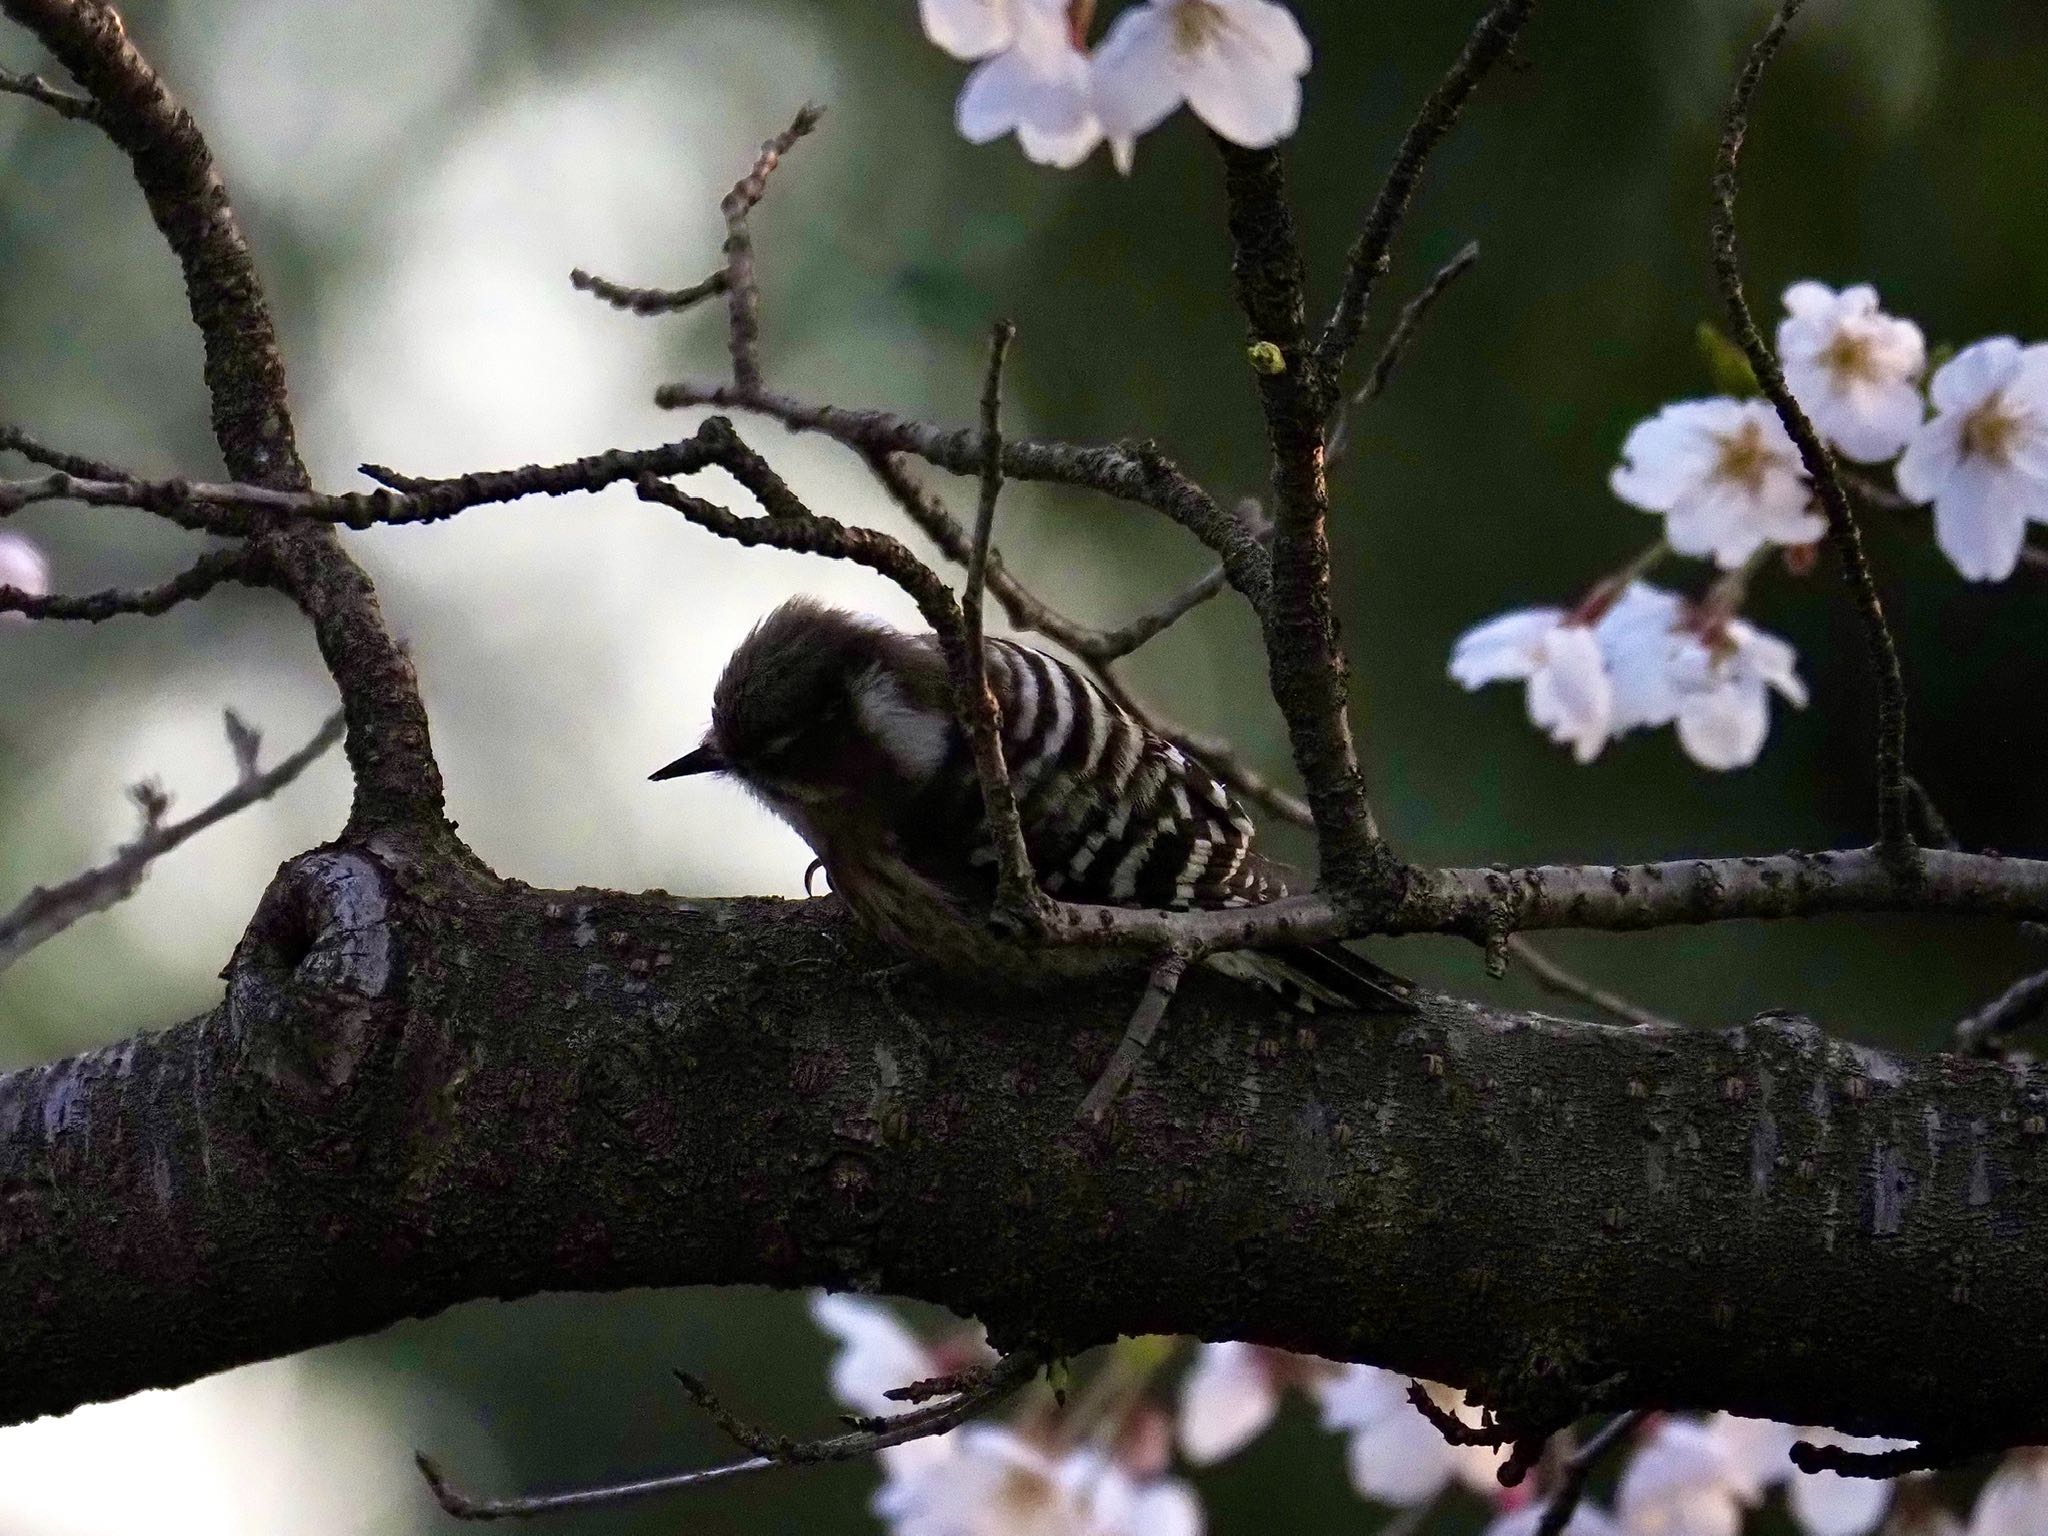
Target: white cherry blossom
<point>1237,63</point>
<point>1227,1398</point>
<point>2014,1499</point>
<point>1396,1456</point>
<point>969,29</point>
<point>1570,696</point>
<point>1723,684</point>
<point>1637,636</point>
<point>1983,459</point>
<point>1036,84</point>
<point>877,1354</point>
<point>1853,368</point>
<point>994,1482</point>
<point>22,567</point>
<point>1724,474</point>
<point>1758,1452</point>
<point>1684,1481</point>
<point>1587,1519</point>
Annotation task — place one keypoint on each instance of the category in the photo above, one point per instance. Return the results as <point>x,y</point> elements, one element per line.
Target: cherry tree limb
<point>196,580</point>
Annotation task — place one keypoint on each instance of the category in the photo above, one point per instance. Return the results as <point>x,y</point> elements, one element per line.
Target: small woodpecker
<point>845,729</point>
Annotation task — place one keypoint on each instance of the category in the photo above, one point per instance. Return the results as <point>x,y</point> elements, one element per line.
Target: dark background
<point>417,181</point>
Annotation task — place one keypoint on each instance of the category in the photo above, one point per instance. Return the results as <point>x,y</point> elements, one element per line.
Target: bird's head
<point>794,714</point>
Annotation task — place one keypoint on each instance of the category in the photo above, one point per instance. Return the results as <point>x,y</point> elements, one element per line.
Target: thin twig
<point>1932,822</point>
<point>1894,831</point>
<point>1454,1429</point>
<point>649,301</point>
<point>1160,986</point>
<point>1132,472</point>
<point>14,440</point>
<point>44,914</point>
<point>1571,1487</point>
<point>1558,979</point>
<point>201,577</point>
<point>1406,327</point>
<point>1154,622</point>
<point>1809,1457</point>
<point>2018,1005</point>
<point>79,109</point>
<point>980,712</point>
<point>1000,1381</point>
<point>1488,43</point>
<point>743,293</point>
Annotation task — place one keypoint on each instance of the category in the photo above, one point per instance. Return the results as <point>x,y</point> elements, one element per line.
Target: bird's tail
<point>1321,975</point>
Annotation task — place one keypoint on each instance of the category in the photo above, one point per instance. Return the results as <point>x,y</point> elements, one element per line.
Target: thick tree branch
<point>426,1087</point>
<point>396,776</point>
<point>1895,833</point>
<point>1304,657</point>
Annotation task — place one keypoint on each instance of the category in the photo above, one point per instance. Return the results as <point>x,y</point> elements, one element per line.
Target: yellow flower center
<point>1745,457</point>
<point>1850,357</point>
<point>1989,430</point>
<point>1196,24</point>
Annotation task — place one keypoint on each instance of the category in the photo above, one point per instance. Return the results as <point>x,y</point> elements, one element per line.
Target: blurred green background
<point>417,180</point>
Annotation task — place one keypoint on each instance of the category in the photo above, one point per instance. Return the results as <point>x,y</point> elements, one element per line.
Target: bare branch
<point>14,440</point>
<point>1160,986</point>
<point>1304,656</point>
<point>1571,1487</point>
<point>650,301</point>
<point>1413,313</point>
<point>1895,834</point>
<point>1840,1459</point>
<point>198,579</point>
<point>1490,40</point>
<point>1133,472</point>
<point>980,713</point>
<point>1978,1034</point>
<point>998,1382</point>
<point>743,294</point>
<point>79,109</point>
<point>1154,622</point>
<point>1570,984</point>
<point>44,914</point>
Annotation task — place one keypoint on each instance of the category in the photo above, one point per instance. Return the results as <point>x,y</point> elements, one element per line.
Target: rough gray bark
<point>425,1086</point>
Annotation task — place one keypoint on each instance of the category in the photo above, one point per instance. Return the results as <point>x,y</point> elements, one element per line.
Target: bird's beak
<point>706,759</point>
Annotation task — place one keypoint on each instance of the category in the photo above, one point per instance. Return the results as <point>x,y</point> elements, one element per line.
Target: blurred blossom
<point>1983,459</point>
<point>1685,1481</point>
<point>1036,85</point>
<point>1587,1519</point>
<point>1230,1395</point>
<point>285,1448</point>
<point>1722,682</point>
<point>2014,1499</point>
<point>1570,696</point>
<point>1397,1456</point>
<point>1724,474</point>
<point>1636,638</point>
<point>1237,63</point>
<point>877,1354</point>
<point>995,1482</point>
<point>1854,368</point>
<point>22,567</point>
<point>969,29</point>
<point>1227,1399</point>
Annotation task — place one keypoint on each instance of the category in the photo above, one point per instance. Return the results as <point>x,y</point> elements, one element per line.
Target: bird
<point>845,728</point>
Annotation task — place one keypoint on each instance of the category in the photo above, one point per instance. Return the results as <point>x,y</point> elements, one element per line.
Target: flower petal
<point>1980,522</point>
<point>877,1353</point>
<point>1227,1399</point>
<point>1137,83</point>
<point>1973,373</point>
<point>968,29</point>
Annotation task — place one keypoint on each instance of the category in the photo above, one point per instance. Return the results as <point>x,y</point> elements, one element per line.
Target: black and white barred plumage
<point>845,728</point>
